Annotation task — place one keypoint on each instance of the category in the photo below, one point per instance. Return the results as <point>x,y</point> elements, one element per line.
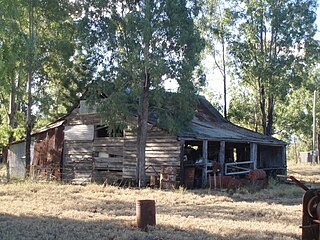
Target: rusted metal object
<point>300,184</point>
<point>257,174</point>
<point>145,213</point>
<point>48,148</point>
<point>168,178</point>
<point>310,212</point>
<point>311,215</point>
<point>189,173</point>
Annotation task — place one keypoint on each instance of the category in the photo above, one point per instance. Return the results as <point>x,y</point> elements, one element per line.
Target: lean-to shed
<point>78,148</point>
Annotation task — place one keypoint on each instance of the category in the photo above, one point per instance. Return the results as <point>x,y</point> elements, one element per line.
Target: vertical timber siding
<point>162,149</point>
<point>78,152</point>
<point>92,160</point>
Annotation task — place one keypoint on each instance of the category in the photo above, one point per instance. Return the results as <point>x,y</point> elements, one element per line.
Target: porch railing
<point>236,168</point>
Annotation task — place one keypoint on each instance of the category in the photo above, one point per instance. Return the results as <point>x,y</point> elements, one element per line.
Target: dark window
<point>105,131</point>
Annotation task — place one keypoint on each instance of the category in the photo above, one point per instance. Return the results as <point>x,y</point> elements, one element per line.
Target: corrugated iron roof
<point>48,127</point>
<point>209,124</point>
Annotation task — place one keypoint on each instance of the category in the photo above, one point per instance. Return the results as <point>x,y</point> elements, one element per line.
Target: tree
<point>244,108</point>
<point>295,113</point>
<point>135,47</point>
<point>12,51</point>
<point>270,47</point>
<point>214,25</point>
<point>39,66</point>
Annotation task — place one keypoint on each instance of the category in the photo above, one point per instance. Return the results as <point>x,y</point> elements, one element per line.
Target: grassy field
<point>55,211</point>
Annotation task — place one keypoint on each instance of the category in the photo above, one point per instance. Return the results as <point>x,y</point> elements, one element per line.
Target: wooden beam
<point>222,152</point>
<point>254,154</point>
<point>205,158</point>
<point>284,159</point>
<point>182,142</point>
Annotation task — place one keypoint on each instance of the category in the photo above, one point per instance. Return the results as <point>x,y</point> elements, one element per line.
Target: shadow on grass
<point>211,216</point>
<point>44,227</point>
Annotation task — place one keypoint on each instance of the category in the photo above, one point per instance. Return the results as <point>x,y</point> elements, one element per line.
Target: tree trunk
<point>224,78</point>
<point>29,83</point>
<point>11,116</point>
<point>318,146</point>
<point>269,126</point>
<point>263,109</point>
<point>142,137</point>
<point>144,100</point>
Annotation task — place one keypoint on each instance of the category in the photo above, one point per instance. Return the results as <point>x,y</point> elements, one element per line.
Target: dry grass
<point>55,211</point>
<point>306,172</point>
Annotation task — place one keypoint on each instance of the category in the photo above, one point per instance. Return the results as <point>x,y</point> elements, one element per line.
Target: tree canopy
<point>135,47</point>
<point>127,51</point>
<point>37,42</point>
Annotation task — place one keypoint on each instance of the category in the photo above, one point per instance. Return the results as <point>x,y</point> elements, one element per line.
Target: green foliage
<point>296,146</point>
<point>296,112</point>
<point>244,108</point>
<point>129,40</point>
<point>214,25</point>
<point>57,66</point>
<point>272,46</point>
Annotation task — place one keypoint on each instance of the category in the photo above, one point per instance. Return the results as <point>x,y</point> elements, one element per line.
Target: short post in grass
<point>146,213</point>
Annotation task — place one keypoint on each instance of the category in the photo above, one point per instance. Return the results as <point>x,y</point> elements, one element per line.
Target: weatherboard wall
<point>90,158</point>
<point>162,149</point>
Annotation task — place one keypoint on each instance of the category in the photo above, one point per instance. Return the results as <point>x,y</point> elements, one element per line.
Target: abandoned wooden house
<point>78,148</point>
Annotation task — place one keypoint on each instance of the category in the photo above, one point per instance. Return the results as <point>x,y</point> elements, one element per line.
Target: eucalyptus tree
<point>39,67</point>
<point>215,24</point>
<point>271,45</point>
<point>136,46</point>
<point>296,113</point>
<point>12,53</point>
<point>244,108</point>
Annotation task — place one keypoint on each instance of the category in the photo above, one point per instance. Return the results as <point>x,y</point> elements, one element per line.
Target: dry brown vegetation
<point>54,211</point>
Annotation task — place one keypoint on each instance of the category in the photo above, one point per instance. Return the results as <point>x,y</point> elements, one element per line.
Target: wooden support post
<point>314,130</point>
<point>254,154</point>
<point>222,153</point>
<point>205,166</point>
<point>284,160</point>
<point>182,142</point>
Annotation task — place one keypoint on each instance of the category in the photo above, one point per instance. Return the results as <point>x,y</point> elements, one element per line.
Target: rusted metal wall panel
<point>48,154</point>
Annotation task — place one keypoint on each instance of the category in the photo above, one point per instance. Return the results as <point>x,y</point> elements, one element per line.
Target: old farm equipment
<point>310,212</point>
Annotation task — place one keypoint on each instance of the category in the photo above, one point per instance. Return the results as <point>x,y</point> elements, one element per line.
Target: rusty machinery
<point>310,212</point>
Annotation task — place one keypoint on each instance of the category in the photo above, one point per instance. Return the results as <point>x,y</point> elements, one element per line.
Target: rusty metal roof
<point>209,124</point>
<point>55,124</point>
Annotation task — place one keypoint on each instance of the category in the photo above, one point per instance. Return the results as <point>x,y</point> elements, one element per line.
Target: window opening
<point>104,131</point>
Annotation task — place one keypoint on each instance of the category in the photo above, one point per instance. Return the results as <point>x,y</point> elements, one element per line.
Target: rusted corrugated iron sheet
<point>48,153</point>
<point>55,124</point>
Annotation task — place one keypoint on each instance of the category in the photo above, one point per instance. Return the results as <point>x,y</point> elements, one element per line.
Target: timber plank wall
<point>162,149</point>
<point>87,158</point>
